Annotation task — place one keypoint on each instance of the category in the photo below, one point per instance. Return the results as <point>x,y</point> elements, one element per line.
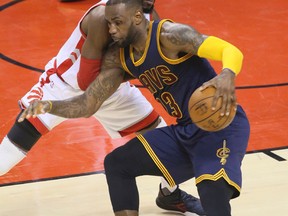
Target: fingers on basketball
<point>201,113</point>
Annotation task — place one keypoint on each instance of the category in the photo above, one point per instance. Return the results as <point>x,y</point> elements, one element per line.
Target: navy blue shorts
<point>183,152</point>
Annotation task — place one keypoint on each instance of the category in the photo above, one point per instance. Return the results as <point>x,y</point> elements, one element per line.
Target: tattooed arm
<point>89,102</point>
<point>176,39</point>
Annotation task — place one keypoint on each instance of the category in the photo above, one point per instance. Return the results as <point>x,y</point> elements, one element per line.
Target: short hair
<point>137,3</point>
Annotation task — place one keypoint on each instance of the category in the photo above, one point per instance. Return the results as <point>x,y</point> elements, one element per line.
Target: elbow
<point>90,111</point>
<point>232,59</point>
<point>240,54</point>
<point>238,63</point>
<point>88,115</point>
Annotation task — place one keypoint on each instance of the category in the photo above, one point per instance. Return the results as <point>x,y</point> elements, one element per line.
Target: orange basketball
<point>203,116</point>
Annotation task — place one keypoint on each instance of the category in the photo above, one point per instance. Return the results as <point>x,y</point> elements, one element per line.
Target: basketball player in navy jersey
<point>169,59</point>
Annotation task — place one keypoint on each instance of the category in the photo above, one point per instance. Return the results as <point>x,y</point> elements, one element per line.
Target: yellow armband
<point>216,49</point>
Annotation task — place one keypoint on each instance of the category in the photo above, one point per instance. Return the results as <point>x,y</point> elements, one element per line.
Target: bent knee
<point>111,162</point>
<point>107,161</point>
<point>119,160</point>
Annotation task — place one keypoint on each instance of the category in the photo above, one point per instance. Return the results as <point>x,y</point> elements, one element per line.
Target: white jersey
<point>67,61</point>
<point>126,108</point>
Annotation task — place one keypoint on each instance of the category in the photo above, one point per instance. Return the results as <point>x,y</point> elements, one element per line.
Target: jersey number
<point>168,100</point>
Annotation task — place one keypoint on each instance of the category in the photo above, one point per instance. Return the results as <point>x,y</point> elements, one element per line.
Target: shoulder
<point>166,23</point>
<point>95,18</point>
<point>169,26</point>
<point>166,29</point>
<point>95,27</point>
<point>97,12</point>
<point>175,31</point>
<point>178,37</point>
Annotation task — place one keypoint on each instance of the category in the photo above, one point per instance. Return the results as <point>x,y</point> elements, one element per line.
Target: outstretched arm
<point>89,102</point>
<point>178,38</point>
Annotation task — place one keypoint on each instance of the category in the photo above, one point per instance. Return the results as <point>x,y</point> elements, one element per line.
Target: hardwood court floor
<point>264,193</point>
<point>61,176</point>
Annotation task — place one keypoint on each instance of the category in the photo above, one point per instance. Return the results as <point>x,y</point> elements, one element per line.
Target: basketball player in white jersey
<point>67,75</point>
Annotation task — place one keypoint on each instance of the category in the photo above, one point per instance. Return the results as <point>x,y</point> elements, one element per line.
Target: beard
<point>148,10</point>
<point>125,42</point>
<point>129,39</point>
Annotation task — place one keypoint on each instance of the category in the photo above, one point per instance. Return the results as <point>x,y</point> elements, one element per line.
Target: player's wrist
<point>50,106</point>
<point>228,72</point>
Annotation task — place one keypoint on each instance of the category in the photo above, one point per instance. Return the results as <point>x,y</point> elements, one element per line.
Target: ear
<point>138,18</point>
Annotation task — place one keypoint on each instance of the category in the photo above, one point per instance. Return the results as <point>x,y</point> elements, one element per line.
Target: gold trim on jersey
<point>215,177</point>
<point>168,60</point>
<point>143,57</point>
<point>156,160</point>
<point>123,62</point>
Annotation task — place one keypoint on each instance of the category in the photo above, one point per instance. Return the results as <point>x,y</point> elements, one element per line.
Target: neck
<point>140,40</point>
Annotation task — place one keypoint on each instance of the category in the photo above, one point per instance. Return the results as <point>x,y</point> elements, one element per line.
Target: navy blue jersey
<point>171,81</point>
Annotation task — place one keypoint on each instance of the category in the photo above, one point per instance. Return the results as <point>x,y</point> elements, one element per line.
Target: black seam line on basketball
<point>227,118</point>
<point>274,156</point>
<point>248,87</point>
<point>221,125</point>
<point>9,4</point>
<point>215,111</point>
<point>103,172</point>
<point>12,61</point>
<point>52,178</point>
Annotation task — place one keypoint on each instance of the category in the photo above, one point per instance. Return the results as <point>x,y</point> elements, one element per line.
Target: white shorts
<point>126,108</point>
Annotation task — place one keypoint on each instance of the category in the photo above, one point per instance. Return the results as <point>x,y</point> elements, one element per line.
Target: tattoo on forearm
<point>70,108</point>
<point>86,104</point>
<point>99,90</point>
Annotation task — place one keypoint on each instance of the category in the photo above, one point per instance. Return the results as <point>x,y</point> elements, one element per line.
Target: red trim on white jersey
<point>66,63</point>
<point>151,118</point>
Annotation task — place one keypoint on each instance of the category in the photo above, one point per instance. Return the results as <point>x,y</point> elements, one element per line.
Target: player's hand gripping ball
<point>201,113</point>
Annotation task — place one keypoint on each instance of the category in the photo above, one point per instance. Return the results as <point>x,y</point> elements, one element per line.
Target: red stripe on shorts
<point>41,128</point>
